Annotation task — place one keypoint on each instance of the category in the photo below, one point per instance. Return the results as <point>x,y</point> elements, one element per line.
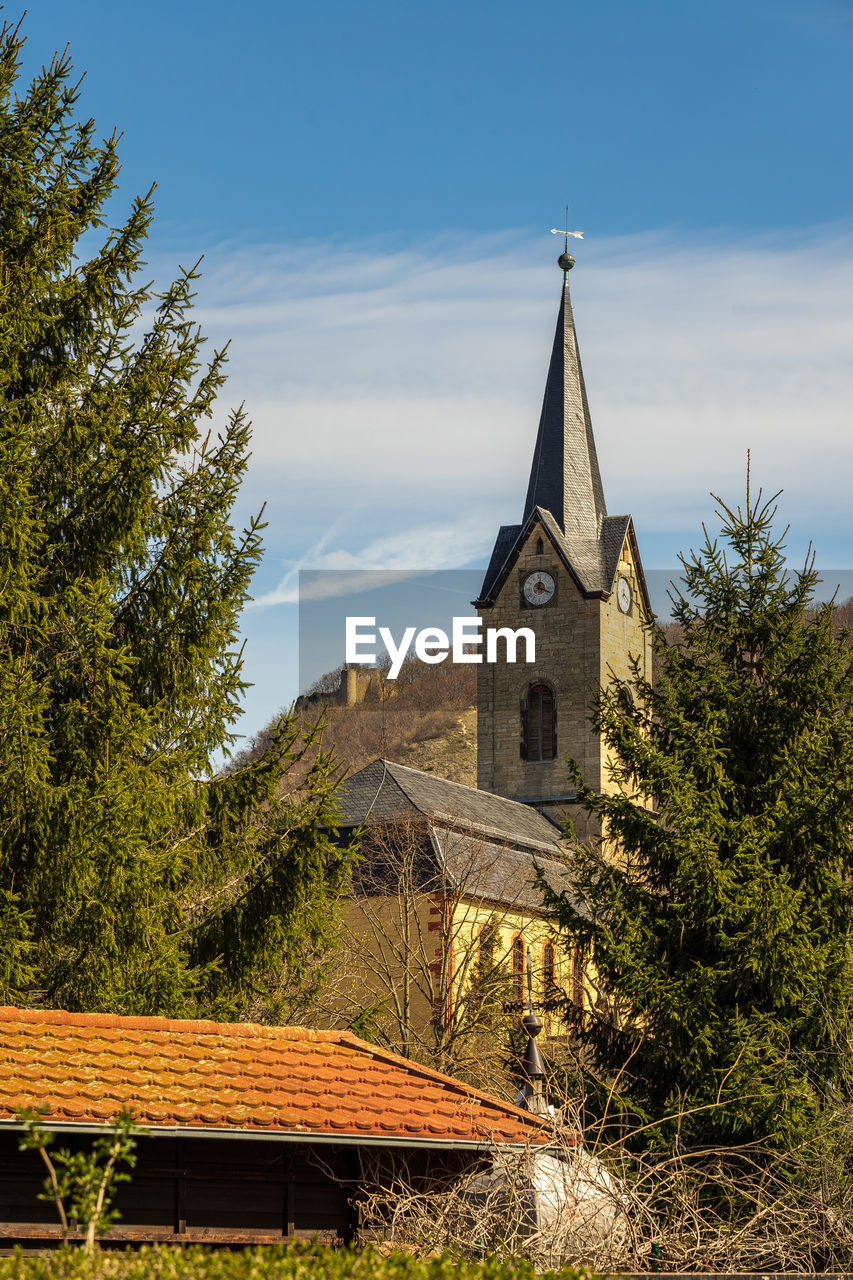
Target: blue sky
<point>372,187</point>
<point>373,119</point>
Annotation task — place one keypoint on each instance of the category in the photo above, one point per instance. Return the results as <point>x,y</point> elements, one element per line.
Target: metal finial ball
<point>532,1025</point>
<point>565,262</point>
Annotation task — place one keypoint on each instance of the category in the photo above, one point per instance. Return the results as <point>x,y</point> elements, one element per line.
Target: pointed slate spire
<point>564,478</point>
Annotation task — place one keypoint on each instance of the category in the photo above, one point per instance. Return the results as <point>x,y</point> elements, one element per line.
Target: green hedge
<point>277,1262</point>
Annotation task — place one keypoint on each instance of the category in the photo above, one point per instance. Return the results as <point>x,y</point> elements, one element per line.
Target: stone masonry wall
<point>580,645</point>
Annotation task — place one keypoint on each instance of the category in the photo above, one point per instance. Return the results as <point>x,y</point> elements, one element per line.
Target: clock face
<point>623,594</point>
<point>538,588</point>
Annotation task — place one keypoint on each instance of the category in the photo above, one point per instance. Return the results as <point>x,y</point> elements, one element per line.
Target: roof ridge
<point>523,846</point>
<point>495,835</point>
<point>154,1022</point>
<point>461,1086</point>
<point>396,764</point>
<point>386,773</point>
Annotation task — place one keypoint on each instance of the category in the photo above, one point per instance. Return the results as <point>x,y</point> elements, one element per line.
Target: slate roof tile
<point>491,847</point>
<point>564,477</point>
<point>385,790</point>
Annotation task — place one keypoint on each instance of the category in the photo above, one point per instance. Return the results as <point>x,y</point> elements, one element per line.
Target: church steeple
<point>565,494</point>
<point>565,479</point>
<point>571,575</point>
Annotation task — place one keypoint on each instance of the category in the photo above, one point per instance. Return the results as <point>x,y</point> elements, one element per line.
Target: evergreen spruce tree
<point>130,879</point>
<point>717,906</point>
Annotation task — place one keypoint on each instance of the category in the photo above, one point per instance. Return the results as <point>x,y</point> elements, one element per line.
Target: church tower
<point>572,574</point>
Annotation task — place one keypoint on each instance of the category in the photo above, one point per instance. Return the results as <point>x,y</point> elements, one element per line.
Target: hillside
<point>426,719</point>
<point>451,753</point>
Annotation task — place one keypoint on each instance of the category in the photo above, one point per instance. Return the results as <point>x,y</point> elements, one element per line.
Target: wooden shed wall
<point>212,1190</point>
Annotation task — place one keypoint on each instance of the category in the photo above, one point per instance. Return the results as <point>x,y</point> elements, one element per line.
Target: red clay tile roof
<point>239,1077</point>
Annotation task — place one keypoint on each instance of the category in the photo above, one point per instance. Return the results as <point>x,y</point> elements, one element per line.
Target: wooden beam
<point>289,1197</point>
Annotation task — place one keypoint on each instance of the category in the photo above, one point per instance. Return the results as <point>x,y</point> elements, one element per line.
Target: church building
<point>572,574</point>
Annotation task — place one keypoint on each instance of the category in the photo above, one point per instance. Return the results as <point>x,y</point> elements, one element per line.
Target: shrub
<point>275,1262</point>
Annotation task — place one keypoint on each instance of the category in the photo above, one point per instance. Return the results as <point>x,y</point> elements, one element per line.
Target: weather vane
<point>566,260</point>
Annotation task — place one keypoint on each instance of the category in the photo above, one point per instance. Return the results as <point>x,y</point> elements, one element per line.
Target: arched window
<point>488,940</point>
<point>540,547</point>
<point>578,978</point>
<point>539,724</point>
<point>518,968</point>
<point>549,973</point>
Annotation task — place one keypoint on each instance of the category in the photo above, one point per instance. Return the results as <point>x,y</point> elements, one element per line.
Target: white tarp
<point>556,1205</point>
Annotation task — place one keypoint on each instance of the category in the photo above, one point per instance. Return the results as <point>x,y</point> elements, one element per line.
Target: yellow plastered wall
<point>387,959</point>
<point>417,963</point>
<point>535,931</point>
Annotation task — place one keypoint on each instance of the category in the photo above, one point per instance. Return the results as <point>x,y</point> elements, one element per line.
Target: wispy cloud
<point>411,552</point>
<point>395,394</point>
<point>407,383</point>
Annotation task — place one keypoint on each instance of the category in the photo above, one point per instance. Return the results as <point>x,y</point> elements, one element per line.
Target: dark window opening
<point>539,724</point>
<point>518,968</point>
<point>578,978</point>
<point>488,940</point>
<point>549,973</point>
<point>540,548</point>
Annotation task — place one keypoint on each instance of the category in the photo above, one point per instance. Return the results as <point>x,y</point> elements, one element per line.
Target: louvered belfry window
<point>540,723</point>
